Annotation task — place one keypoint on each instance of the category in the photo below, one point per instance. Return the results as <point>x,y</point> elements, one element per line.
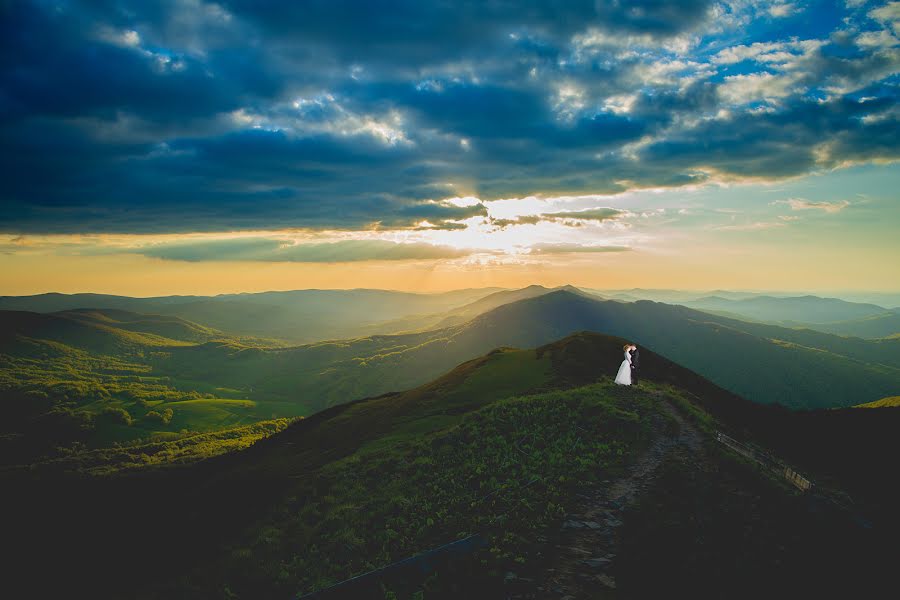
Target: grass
<point>505,470</point>
<point>717,528</point>
<point>182,449</point>
<point>484,448</point>
<point>892,401</point>
<point>697,415</point>
<point>56,396</point>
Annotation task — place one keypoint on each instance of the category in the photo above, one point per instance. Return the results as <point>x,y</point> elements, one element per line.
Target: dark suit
<point>635,363</point>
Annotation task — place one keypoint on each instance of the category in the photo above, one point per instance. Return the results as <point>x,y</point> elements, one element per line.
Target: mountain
<point>761,362</point>
<point>492,301</point>
<point>768,364</point>
<point>166,326</point>
<point>669,296</point>
<point>506,445</point>
<point>105,332</point>
<point>120,380</point>
<point>298,316</point>
<point>805,309</point>
<point>888,299</point>
<point>844,317</point>
<point>873,327</point>
<point>469,311</point>
<point>412,323</point>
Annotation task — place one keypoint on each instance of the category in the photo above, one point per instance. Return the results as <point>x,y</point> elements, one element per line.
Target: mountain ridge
<point>334,475</point>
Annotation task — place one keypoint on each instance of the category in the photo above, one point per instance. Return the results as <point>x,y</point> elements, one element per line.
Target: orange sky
<point>705,267</point>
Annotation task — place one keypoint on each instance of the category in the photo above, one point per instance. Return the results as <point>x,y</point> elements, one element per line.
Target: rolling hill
<point>111,383</point>
<point>801,309</point>
<point>861,317</point>
<point>82,376</point>
<point>113,332</point>
<point>876,326</point>
<point>299,316</point>
<point>503,445</point>
<point>459,315</point>
<point>768,364</point>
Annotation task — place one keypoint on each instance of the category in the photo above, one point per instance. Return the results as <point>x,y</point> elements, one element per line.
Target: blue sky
<point>331,131</point>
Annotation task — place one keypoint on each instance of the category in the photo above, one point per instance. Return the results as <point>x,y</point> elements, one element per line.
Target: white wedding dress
<point>623,377</point>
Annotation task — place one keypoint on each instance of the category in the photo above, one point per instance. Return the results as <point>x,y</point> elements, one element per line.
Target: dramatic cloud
<point>165,116</point>
<point>563,248</point>
<point>274,250</point>
<point>572,218</point>
<point>804,204</point>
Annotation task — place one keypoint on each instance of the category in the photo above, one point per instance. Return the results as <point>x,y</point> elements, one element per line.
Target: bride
<point>623,377</point>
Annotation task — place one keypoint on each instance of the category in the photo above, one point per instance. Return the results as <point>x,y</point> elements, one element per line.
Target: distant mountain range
<point>466,312</point>
<point>305,316</point>
<point>112,372</point>
<point>830,315</point>
<point>802,309</point>
<point>296,316</point>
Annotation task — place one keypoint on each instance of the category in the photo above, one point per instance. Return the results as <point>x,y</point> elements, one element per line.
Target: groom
<point>635,363</point>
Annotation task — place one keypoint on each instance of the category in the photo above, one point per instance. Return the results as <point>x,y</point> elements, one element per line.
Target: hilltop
<point>768,364</point>
<point>504,445</point>
<point>115,375</point>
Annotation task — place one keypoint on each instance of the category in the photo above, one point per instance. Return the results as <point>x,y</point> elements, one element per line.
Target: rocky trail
<point>581,556</point>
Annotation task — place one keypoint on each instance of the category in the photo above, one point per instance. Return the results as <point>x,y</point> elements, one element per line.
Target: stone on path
<point>597,563</point>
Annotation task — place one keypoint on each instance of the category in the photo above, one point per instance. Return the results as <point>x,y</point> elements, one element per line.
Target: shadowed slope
<point>262,504</point>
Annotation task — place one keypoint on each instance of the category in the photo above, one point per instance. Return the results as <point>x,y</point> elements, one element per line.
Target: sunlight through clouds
<point>474,134</point>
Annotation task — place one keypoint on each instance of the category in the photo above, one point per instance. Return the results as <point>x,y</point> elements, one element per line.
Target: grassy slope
<point>873,327</point>
<point>892,402</point>
<point>161,325</point>
<point>62,358</point>
<point>382,434</point>
<point>493,446</point>
<point>85,376</point>
<point>766,364</point>
<point>165,451</point>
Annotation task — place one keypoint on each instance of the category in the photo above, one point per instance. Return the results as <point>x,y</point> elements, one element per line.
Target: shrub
<point>117,415</point>
<point>164,417</point>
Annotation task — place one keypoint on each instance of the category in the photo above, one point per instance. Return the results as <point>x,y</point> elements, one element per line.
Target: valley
<point>504,445</point>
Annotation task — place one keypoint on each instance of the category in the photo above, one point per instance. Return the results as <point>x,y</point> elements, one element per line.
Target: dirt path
<point>580,557</point>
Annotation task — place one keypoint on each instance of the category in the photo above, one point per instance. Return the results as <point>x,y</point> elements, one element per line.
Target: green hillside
<point>873,327</point>
<point>892,402</point>
<point>162,325</point>
<point>505,445</point>
<point>87,331</point>
<point>764,363</point>
<point>85,377</point>
<point>100,377</point>
<point>767,364</point>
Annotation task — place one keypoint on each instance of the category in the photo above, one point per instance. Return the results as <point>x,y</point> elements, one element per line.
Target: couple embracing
<point>627,374</point>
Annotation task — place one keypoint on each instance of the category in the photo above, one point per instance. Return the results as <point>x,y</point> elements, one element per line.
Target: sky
<point>191,147</point>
